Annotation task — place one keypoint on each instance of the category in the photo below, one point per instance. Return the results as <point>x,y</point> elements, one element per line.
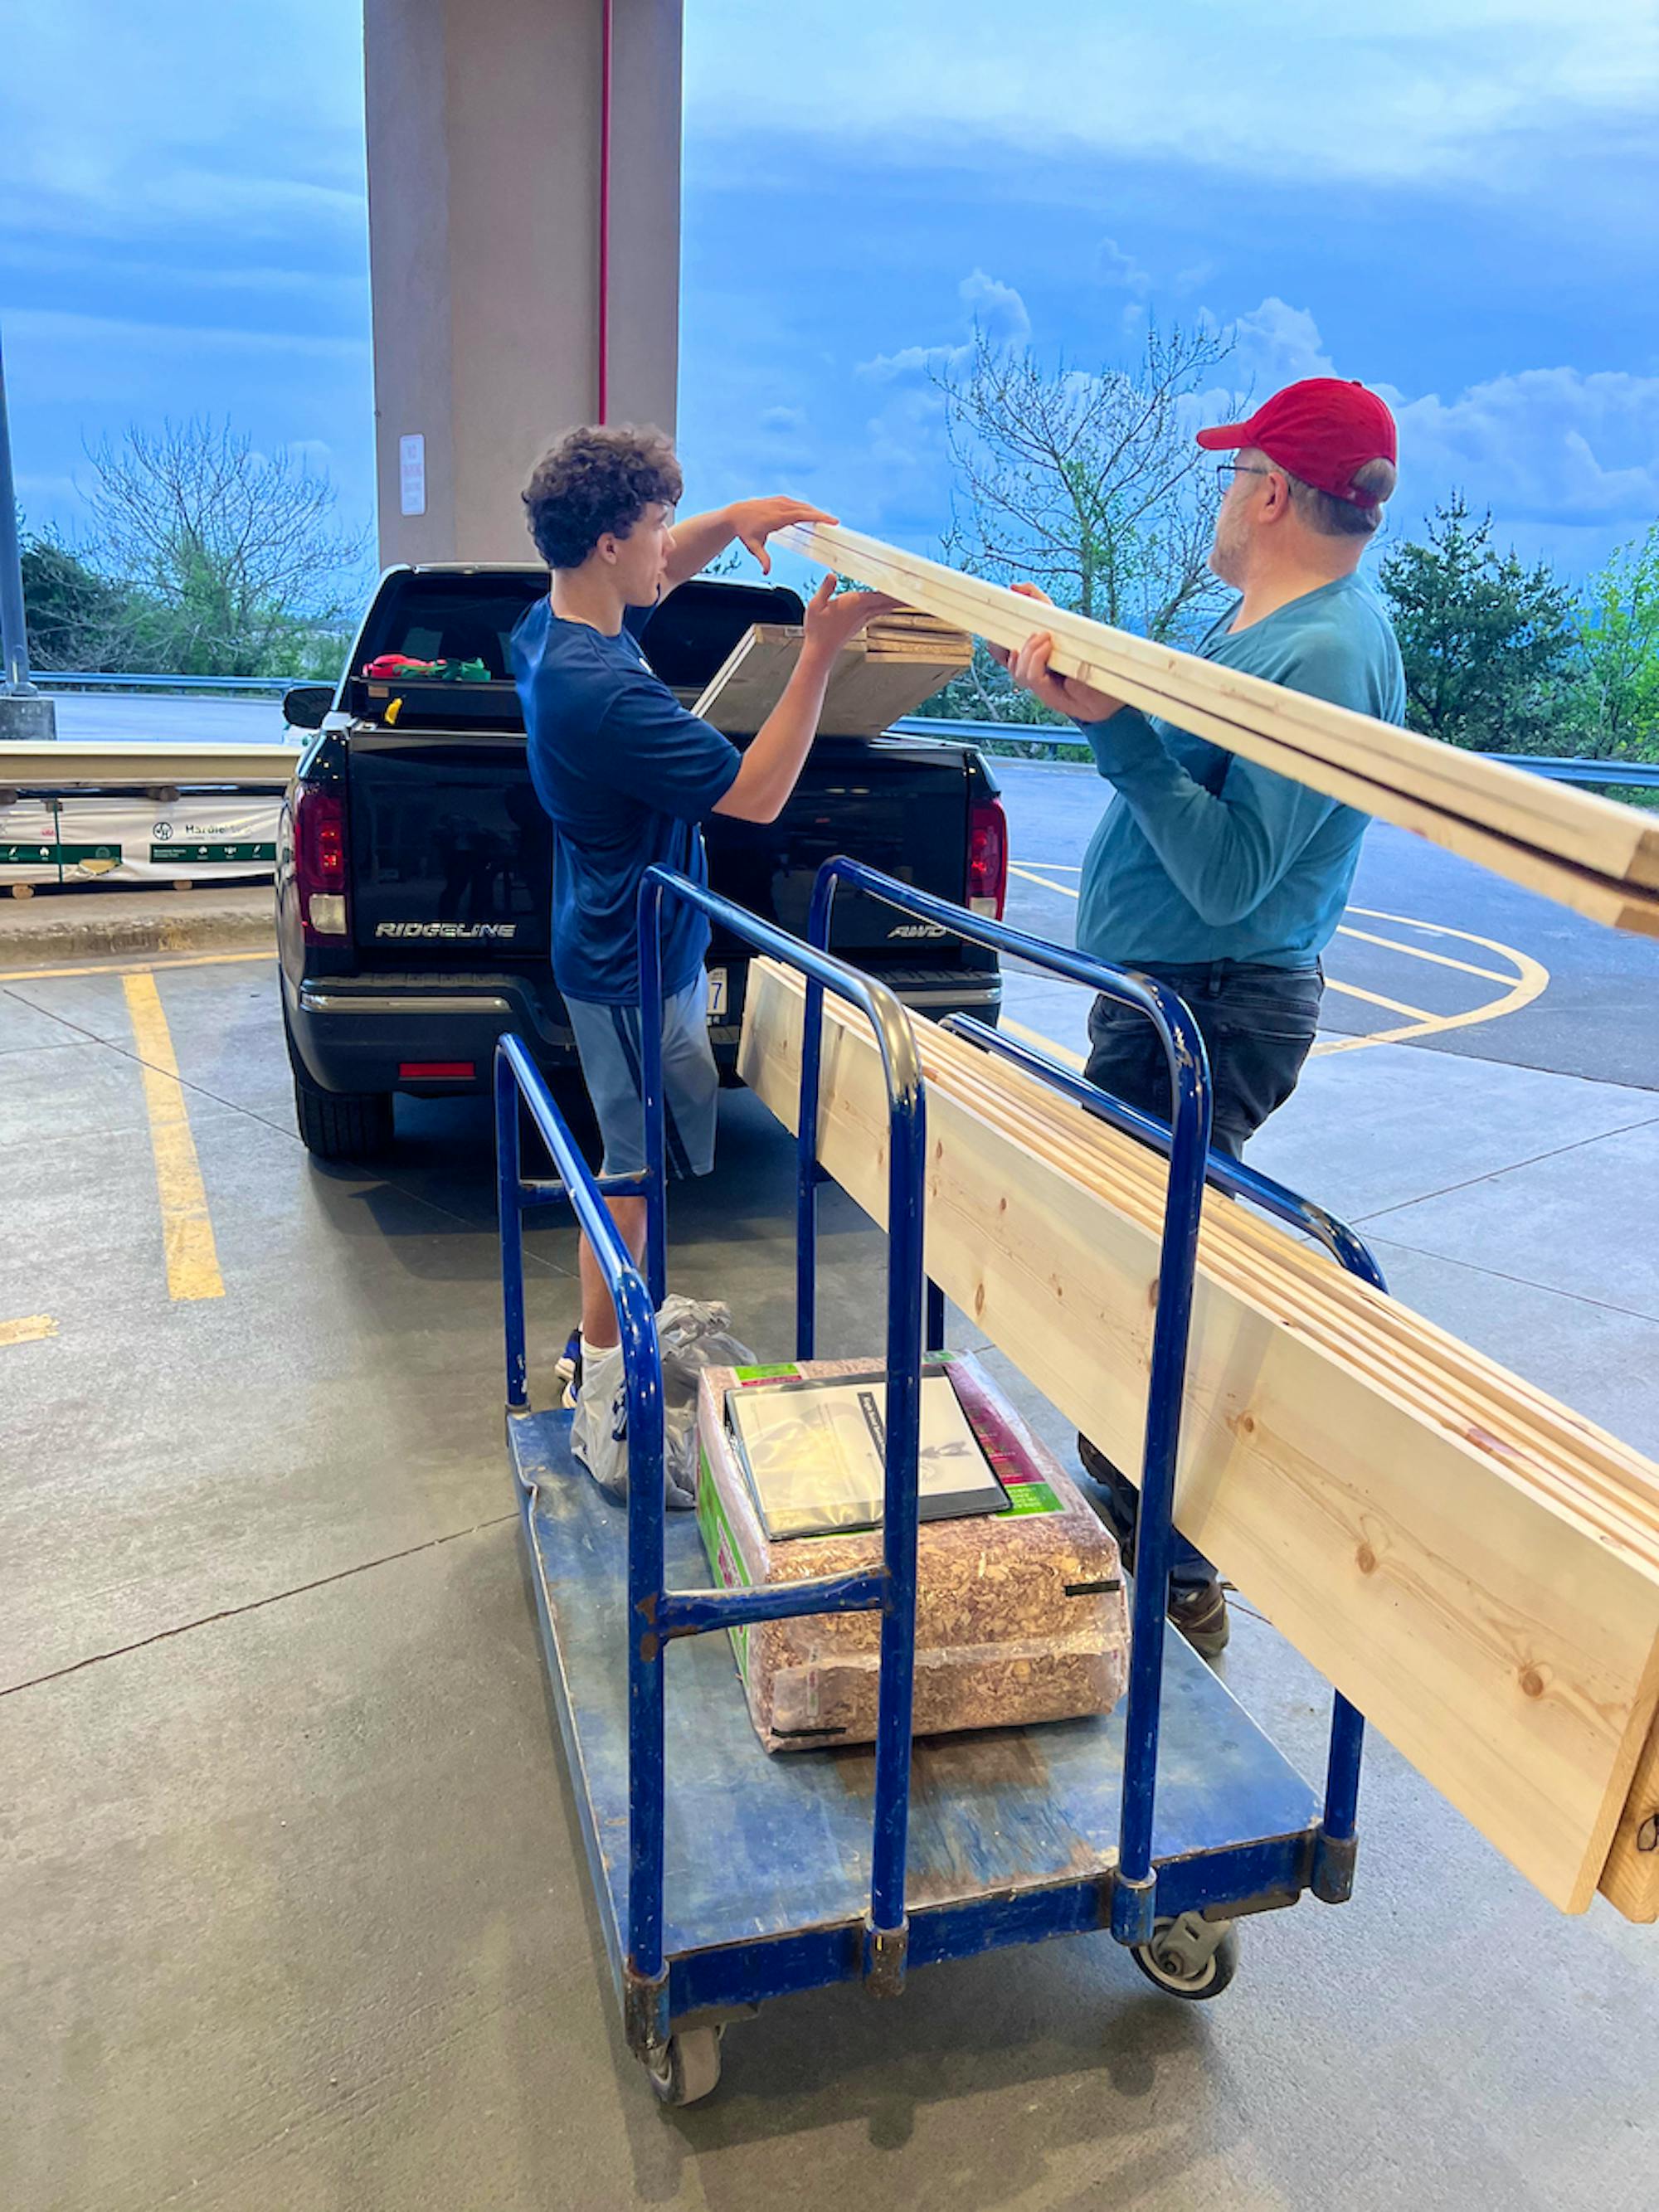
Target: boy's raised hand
<point>831,620</point>
<point>754,520</point>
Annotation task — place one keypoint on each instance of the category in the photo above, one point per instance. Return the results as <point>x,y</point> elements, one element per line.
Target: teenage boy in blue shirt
<point>628,775</point>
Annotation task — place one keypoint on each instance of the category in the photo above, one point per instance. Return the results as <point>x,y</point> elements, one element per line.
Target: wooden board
<point>1504,1648</point>
<point>1610,1487</point>
<point>879,676</point>
<point>1586,852</point>
<point>1631,1882</point>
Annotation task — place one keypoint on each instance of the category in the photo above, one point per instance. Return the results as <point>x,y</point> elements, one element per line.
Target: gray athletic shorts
<point>608,1043</point>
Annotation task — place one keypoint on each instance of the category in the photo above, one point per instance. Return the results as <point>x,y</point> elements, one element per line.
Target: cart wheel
<point>1178,1962</point>
<point>689,2069</point>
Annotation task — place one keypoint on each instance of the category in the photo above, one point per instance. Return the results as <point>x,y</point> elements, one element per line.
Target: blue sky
<point>1450,198</point>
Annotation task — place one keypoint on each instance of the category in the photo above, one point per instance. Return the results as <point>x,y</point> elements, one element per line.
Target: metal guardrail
<point>1642,776</point>
<point>65,679</point>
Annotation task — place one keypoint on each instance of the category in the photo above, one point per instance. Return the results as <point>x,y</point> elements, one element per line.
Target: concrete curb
<point>45,931</point>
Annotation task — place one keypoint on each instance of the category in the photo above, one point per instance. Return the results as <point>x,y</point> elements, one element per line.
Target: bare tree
<point>238,550</point>
<point>1088,483</point>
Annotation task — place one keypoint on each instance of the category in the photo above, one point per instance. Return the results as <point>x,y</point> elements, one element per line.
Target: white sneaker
<point>598,1427</point>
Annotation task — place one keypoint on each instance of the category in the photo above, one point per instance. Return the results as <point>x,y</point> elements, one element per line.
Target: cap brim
<point>1224,437</point>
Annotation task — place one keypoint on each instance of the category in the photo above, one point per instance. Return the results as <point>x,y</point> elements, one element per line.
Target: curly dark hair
<point>595,481</point>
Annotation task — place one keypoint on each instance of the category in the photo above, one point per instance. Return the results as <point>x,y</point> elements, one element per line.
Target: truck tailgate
<point>449,845</point>
<point>900,804</point>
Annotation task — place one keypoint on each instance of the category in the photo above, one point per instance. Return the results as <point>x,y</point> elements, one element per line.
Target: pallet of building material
<point>1504,1639</point>
<point>1588,852</point>
<point>1020,1614</point>
<point>883,674</point>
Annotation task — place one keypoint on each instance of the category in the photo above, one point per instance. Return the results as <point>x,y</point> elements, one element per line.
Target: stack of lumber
<point>1586,852</point>
<point>1473,1564</point>
<point>894,664</point>
<point>1020,1616</point>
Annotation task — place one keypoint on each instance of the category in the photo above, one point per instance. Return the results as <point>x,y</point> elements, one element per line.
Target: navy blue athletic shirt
<point>627,774</point>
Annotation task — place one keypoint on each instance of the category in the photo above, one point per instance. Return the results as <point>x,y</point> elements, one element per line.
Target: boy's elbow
<point>738,807</point>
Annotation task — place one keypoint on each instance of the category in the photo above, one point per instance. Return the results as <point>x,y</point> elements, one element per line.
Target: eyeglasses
<point>1229,470</point>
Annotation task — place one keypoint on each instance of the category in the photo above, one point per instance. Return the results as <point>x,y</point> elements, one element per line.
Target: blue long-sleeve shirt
<point>1202,855</point>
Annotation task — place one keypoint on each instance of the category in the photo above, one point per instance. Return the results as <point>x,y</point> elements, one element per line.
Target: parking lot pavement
<point>292,1909</point>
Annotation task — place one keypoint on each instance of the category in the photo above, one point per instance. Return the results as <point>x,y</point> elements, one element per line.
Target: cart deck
<point>767,1857</point>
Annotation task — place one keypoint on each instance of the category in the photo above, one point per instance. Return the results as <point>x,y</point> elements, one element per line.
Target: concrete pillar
<point>483,131</point>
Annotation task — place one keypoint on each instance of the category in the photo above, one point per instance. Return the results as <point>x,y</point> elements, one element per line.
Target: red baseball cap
<point>1323,431</point>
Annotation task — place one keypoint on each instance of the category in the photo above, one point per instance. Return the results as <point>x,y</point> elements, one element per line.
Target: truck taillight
<point>320,865</point>
<point>987,858</point>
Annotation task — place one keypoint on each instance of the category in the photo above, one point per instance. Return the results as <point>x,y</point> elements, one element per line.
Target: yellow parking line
<point>1422,953</point>
<point>139,967</point>
<point>1529,979</point>
<point>1376,998</point>
<point>30,1330</point>
<point>187,1231</point>
<point>1068,890</point>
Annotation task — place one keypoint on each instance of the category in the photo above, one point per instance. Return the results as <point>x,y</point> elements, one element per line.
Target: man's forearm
<point>699,540</point>
<point>781,744</point>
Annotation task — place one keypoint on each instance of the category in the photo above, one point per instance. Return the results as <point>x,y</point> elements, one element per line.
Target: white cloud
<point>991,307</point>
<point>1560,455</point>
<point>1117,267</point>
<point>1379,88</point>
<point>1552,446</point>
<point>997,309</point>
<point>1545,445</point>
<point>182,120</point>
<point>1274,343</point>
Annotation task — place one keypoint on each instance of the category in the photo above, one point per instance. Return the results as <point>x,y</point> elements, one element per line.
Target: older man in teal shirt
<point>1211,874</point>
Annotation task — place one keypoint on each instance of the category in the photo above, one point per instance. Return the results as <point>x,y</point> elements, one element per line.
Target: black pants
<point>1258,1024</point>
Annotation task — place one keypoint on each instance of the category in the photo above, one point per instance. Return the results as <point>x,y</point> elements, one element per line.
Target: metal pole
<point>14,631</point>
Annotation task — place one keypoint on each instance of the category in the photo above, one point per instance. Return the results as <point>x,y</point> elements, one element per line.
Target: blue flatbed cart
<point>725,1876</point>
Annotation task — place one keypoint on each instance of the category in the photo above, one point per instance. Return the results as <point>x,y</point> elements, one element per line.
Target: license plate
<point>717,994</point>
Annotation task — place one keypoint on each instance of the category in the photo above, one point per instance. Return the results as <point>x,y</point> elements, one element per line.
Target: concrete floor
<point>292,1911</point>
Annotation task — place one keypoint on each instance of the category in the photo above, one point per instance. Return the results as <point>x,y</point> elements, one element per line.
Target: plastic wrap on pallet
<point>1020,1616</point>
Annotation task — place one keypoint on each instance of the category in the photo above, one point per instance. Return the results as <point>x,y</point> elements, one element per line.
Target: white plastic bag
<point>693,1333</point>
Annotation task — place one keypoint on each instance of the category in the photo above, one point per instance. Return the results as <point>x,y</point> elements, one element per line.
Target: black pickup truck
<point>414,862</point>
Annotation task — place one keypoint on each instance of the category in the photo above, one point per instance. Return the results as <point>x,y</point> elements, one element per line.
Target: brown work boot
<point>1199,1610</point>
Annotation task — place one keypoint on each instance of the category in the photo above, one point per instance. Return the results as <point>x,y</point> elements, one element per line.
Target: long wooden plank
<point>1616,1490</point>
<point>1631,1882</point>
<point>1540,1439</point>
<point>1473,1406</point>
<point>1612,1488</point>
<point>1506,1651</point>
<point>1595,831</point>
<point>1616,905</point>
<point>1413,780</point>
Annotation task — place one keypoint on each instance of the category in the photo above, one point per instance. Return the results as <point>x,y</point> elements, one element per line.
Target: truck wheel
<point>344,1125</point>
<point>338,1125</point>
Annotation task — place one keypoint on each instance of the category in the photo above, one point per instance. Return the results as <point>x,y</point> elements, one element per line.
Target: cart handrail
<point>895,1589</point>
<point>1332,1875</point>
<point>1334,1846</point>
<point>1133,1890</point>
